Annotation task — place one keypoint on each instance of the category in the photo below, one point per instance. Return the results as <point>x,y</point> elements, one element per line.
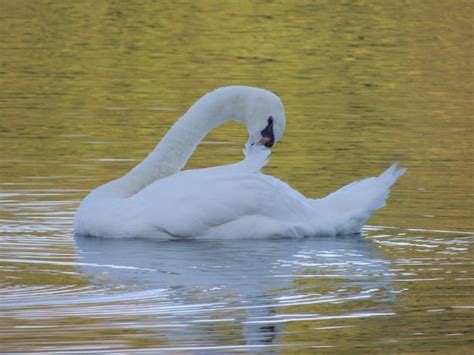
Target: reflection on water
<point>237,295</point>
<point>86,91</point>
<point>180,291</point>
<point>202,283</point>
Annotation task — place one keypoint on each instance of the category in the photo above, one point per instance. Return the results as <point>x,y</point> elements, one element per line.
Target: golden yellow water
<point>88,88</point>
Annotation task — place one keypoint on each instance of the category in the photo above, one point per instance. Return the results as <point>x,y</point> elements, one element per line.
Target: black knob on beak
<point>267,134</point>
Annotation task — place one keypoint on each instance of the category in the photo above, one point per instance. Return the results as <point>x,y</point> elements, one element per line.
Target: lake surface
<point>88,88</point>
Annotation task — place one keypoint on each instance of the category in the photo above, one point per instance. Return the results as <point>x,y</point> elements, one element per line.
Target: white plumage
<point>157,200</point>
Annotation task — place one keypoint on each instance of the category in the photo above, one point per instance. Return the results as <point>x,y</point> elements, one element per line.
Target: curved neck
<point>177,146</point>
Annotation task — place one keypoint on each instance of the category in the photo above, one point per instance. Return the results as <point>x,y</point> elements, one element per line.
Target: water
<point>86,91</point>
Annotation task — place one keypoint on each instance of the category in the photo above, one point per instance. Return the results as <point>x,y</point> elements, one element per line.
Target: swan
<point>157,199</point>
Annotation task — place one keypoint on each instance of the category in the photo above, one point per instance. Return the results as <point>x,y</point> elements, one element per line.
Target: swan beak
<point>268,138</point>
<point>266,141</point>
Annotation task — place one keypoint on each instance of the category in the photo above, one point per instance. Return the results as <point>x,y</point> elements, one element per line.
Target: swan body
<point>159,200</point>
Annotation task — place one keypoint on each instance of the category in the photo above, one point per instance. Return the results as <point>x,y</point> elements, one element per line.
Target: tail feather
<point>393,173</point>
<point>353,204</point>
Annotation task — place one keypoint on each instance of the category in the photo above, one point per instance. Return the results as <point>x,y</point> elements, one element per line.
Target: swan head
<point>260,110</point>
<point>263,113</point>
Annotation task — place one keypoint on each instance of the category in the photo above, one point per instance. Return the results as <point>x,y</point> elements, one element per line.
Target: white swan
<point>158,200</point>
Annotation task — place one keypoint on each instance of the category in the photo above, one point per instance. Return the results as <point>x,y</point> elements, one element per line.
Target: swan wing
<point>236,200</point>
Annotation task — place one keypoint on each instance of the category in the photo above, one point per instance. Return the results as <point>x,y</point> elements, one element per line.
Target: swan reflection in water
<point>245,282</point>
